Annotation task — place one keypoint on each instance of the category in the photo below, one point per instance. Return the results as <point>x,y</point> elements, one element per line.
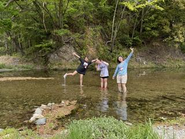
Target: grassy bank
<point>95,128</point>
<point>149,57</point>
<point>98,128</point>
<point>15,63</point>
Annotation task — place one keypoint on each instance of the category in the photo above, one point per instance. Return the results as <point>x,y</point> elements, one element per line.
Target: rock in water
<point>38,111</point>
<point>35,116</point>
<point>49,104</point>
<point>1,130</point>
<point>41,121</point>
<point>43,106</point>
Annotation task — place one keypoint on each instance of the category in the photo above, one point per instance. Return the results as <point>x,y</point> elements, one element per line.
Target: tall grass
<point>4,66</point>
<point>109,128</point>
<point>95,128</point>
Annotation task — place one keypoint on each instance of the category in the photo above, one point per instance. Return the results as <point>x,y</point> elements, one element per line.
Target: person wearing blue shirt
<point>121,72</point>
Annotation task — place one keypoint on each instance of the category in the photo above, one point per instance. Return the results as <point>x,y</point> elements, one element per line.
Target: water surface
<point>152,93</point>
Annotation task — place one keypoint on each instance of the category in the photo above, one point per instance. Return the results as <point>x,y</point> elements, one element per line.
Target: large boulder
<point>64,54</point>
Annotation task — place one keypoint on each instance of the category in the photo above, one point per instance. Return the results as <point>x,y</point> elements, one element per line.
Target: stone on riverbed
<point>53,112</point>
<point>50,104</point>
<point>41,121</point>
<point>170,132</point>
<point>38,111</point>
<point>43,106</point>
<point>35,116</point>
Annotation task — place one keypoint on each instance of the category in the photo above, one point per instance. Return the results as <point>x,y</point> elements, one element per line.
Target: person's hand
<point>113,77</point>
<point>132,49</point>
<point>74,53</point>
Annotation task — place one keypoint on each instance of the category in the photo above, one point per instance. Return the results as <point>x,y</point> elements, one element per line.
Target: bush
<point>109,128</point>
<point>182,47</point>
<point>4,66</point>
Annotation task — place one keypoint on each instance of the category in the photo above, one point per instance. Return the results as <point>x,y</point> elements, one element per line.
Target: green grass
<point>109,128</point>
<point>24,67</point>
<point>94,128</point>
<point>4,66</point>
<point>12,133</point>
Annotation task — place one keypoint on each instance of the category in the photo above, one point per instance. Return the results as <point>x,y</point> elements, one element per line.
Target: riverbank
<point>156,56</point>
<point>13,63</point>
<point>9,63</point>
<point>100,128</point>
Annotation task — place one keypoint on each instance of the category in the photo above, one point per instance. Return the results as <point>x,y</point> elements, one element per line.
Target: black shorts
<point>81,71</point>
<point>105,77</point>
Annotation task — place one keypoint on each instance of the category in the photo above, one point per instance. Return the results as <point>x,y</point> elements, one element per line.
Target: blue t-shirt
<point>104,69</point>
<point>121,68</point>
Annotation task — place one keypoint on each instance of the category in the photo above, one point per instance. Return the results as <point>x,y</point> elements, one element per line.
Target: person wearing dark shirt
<point>82,68</point>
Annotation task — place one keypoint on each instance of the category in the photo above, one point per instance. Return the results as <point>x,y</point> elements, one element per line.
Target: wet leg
<point>81,79</point>
<point>105,83</point>
<point>119,87</point>
<point>124,90</point>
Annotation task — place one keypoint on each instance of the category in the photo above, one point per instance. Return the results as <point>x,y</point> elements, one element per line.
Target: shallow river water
<point>156,94</point>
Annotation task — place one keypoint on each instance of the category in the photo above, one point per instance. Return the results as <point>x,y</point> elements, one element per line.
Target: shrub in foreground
<point>109,128</point>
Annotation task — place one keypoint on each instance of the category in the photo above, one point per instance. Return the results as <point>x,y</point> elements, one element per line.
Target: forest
<point>37,28</point>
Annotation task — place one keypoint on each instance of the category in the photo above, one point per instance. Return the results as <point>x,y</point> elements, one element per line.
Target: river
<point>152,93</point>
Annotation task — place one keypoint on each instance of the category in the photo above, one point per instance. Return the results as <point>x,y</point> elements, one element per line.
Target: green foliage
<point>134,5</point>
<point>61,32</point>
<point>38,28</point>
<point>141,131</point>
<point>182,47</point>
<point>109,128</point>
<point>2,66</point>
<point>12,133</point>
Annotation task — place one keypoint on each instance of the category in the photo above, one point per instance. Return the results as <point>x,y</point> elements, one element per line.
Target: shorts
<point>121,78</point>
<point>105,77</point>
<point>81,71</point>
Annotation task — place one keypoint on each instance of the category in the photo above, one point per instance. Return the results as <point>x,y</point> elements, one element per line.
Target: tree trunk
<point>142,17</point>
<point>113,25</point>
<point>134,28</point>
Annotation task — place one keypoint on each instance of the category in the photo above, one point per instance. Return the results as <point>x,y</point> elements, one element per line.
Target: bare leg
<point>81,79</point>
<point>119,87</point>
<point>72,74</point>
<point>101,82</point>
<point>124,90</point>
<point>105,83</point>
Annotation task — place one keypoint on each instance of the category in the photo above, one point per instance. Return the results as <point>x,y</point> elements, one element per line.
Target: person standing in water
<point>82,68</point>
<point>121,72</point>
<point>104,74</point>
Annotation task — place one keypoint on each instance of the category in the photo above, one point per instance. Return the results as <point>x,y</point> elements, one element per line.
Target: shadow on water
<point>152,93</point>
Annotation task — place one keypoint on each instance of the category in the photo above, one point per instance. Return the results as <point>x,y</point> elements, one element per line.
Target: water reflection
<point>143,73</point>
<point>82,91</point>
<point>149,100</point>
<point>121,107</point>
<point>103,106</point>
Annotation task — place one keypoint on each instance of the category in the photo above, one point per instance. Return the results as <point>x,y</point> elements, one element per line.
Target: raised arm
<point>94,60</point>
<point>76,55</point>
<point>105,63</point>
<point>129,56</point>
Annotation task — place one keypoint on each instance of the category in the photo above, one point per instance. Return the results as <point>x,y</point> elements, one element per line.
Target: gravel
<point>170,132</point>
